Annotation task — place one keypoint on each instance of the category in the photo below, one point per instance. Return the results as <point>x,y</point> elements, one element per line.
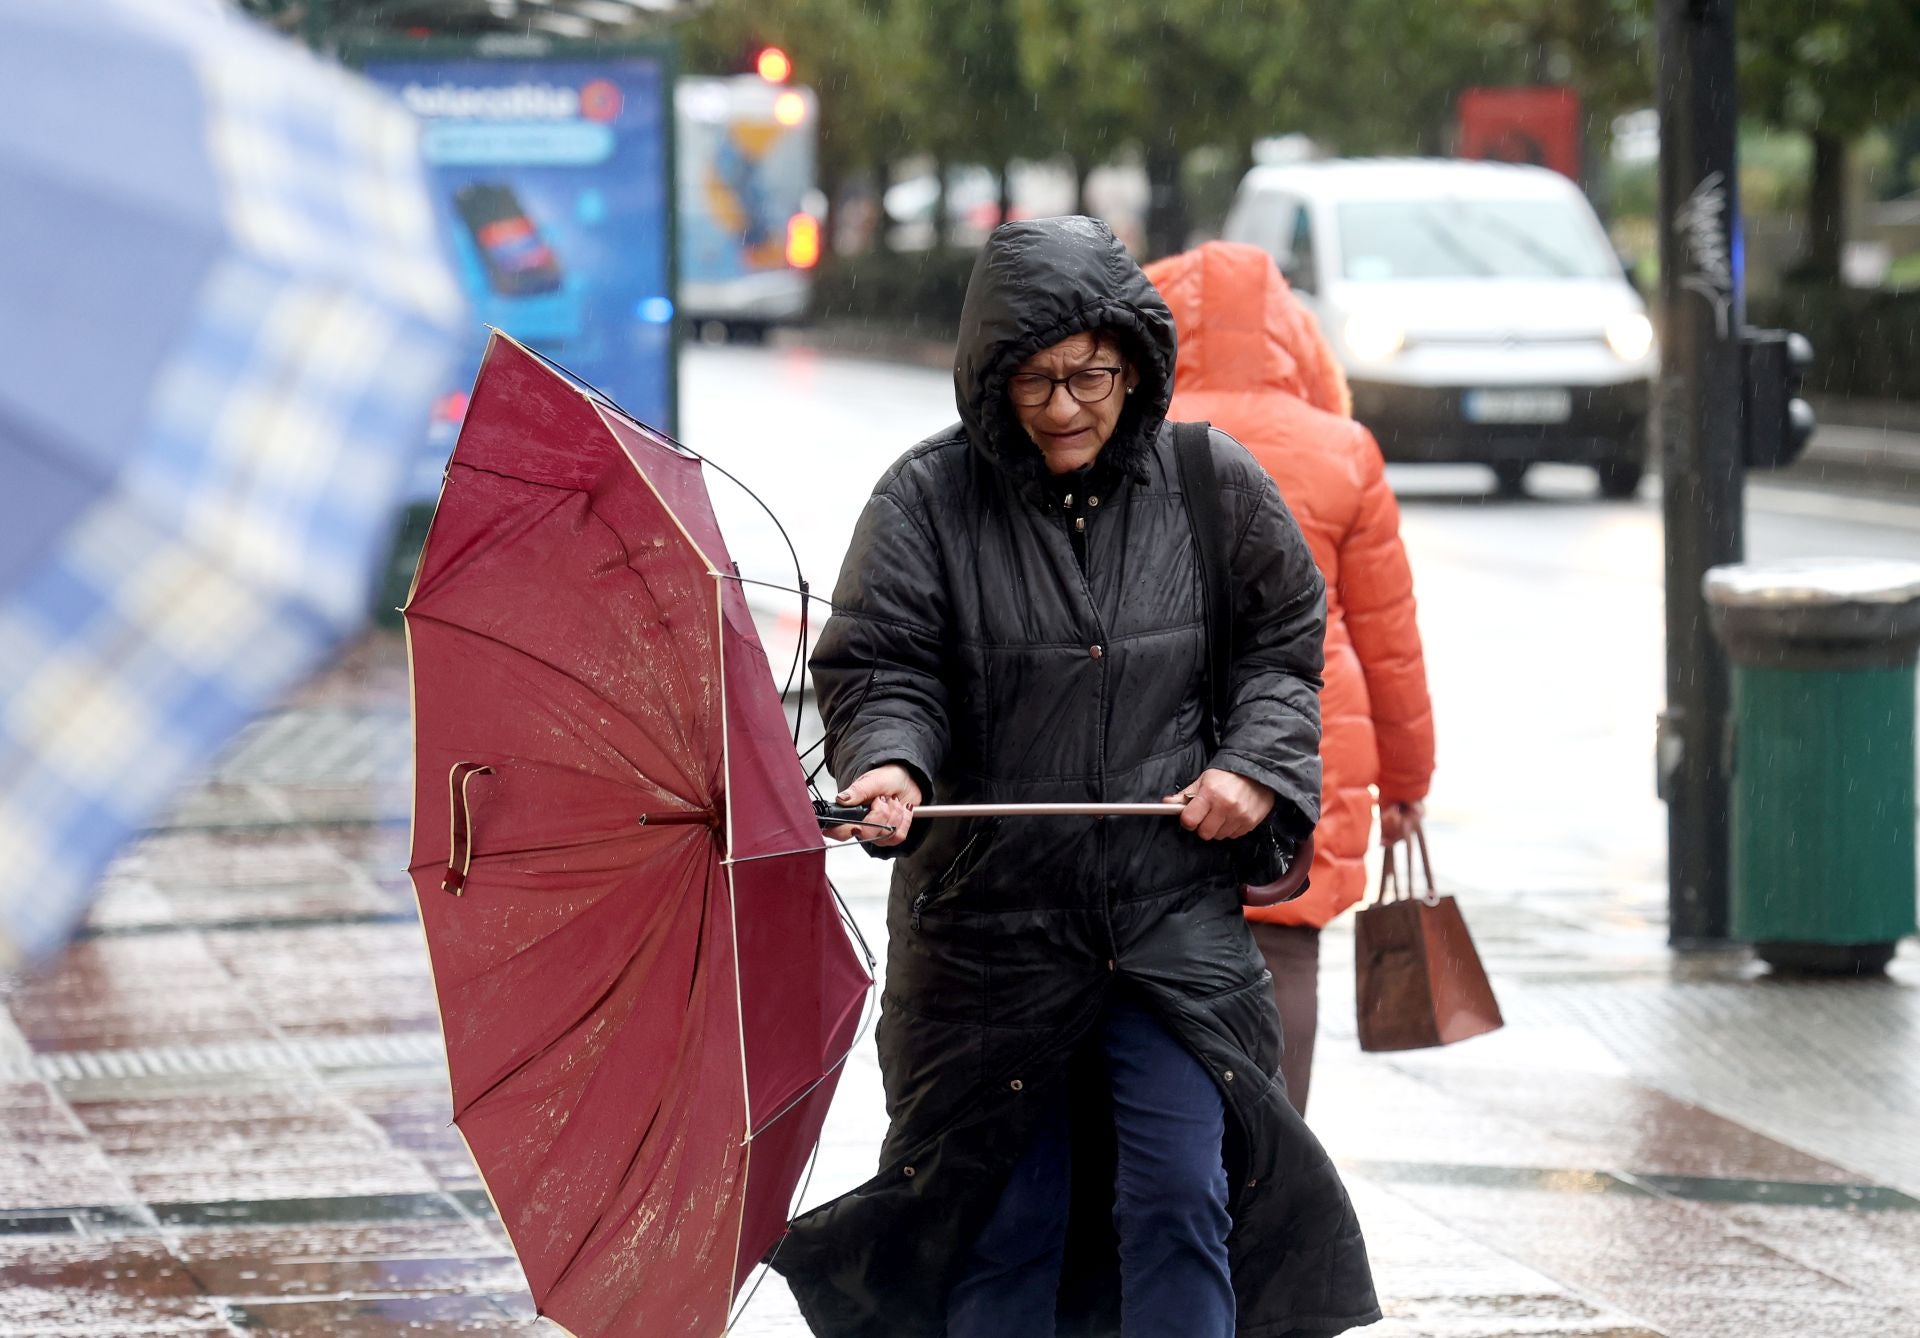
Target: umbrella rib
<point>638,1147</point>
<point>546,1048</point>
<point>587,688</point>
<point>521,951</point>
<point>860,1034</point>
<point>653,671</point>
<point>652,1120</point>
<point>626,554</point>
<point>462,561</point>
<point>702,818</point>
<point>803,1094</point>
<point>772,854</point>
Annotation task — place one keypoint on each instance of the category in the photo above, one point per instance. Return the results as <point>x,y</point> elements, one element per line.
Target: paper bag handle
<point>1391,888</point>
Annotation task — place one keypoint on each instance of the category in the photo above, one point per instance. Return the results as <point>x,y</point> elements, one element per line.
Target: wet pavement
<point>224,1109</point>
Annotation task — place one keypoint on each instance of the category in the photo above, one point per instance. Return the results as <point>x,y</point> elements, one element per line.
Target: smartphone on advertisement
<point>517,257</point>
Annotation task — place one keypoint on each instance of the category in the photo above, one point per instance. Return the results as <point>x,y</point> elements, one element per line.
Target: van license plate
<point>1517,406</point>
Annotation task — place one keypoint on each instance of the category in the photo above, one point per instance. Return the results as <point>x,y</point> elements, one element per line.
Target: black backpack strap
<point>1200,491</point>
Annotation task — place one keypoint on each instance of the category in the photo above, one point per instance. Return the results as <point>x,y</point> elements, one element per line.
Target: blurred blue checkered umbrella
<point>223,312</point>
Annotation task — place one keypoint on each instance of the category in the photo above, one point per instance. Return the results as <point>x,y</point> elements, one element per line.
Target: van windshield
<point>1472,239</point>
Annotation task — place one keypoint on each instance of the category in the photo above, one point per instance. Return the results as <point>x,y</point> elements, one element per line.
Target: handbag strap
<point>1200,492</point>
<point>1426,862</point>
<point>1391,887</point>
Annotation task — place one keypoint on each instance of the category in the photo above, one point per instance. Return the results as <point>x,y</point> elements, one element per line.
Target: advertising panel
<point>1541,126</point>
<point>552,177</point>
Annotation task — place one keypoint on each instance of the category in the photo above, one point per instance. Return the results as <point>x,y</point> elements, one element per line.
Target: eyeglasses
<point>1089,385</point>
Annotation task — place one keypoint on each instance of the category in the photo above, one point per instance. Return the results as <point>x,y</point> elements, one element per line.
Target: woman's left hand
<point>1221,805</point>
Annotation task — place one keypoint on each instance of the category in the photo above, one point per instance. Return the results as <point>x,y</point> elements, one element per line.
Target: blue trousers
<point>1170,1204</point>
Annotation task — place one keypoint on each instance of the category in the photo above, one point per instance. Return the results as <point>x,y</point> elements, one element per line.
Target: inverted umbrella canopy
<point>223,315</point>
<point>644,983</point>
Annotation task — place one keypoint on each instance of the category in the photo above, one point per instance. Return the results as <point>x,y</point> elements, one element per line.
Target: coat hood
<point>1243,329</point>
<point>1035,283</point>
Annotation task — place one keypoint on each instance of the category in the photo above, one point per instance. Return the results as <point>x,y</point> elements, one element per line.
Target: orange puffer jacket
<point>1254,363</point>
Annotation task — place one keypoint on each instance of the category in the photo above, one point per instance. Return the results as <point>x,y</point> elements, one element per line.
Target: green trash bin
<point>1823,654</point>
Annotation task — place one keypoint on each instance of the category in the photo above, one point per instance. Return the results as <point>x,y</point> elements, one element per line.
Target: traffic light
<point>1778,422</point>
<point>773,65</point>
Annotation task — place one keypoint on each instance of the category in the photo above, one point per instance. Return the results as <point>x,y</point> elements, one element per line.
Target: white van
<point>1478,308</point>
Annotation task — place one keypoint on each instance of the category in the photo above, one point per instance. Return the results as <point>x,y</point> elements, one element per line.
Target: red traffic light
<point>773,65</point>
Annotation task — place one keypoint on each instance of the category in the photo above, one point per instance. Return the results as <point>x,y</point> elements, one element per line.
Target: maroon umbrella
<point>644,981</point>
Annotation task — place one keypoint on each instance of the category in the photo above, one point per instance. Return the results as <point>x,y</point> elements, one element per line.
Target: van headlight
<point>1370,337</point>
<point>1630,336</point>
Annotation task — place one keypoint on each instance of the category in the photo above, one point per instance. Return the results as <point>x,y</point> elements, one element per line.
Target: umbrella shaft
<point>1047,810</point>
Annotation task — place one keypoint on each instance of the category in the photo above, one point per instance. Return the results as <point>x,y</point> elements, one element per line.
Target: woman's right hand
<point>889,795</point>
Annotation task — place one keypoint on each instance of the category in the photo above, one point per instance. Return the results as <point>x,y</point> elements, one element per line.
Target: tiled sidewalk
<point>223,1112</point>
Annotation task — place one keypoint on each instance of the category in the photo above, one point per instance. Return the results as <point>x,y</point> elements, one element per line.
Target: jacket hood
<point>1242,328</point>
<point>1035,283</point>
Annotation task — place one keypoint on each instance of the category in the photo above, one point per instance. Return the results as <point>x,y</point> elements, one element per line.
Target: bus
<point>749,209</point>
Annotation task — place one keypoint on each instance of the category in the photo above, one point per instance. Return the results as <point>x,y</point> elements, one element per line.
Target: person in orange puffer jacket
<point>1254,363</point>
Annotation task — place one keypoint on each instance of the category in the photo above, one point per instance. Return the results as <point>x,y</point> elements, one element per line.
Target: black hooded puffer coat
<point>968,643</point>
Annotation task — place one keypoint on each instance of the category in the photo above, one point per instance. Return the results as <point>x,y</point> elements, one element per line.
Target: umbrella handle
<point>460,838</point>
<point>837,815</point>
<point>833,815</point>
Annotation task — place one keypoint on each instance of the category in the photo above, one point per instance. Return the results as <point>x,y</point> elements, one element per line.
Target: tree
<point>1374,76</point>
<point>1832,71</point>
<point>850,52</point>
<point>971,102</point>
<point>1168,77</point>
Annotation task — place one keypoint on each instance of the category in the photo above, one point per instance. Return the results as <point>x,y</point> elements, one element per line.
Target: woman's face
<point>1068,432</point>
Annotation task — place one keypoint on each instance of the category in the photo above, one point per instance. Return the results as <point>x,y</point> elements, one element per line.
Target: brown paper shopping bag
<point>1418,980</point>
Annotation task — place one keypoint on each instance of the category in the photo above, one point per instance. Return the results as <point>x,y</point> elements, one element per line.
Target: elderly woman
<point>1078,1035</point>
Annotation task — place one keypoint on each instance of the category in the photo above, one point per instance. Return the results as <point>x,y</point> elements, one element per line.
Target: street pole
<point>1698,429</point>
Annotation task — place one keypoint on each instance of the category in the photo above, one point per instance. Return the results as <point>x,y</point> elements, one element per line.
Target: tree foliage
<point>989,80</point>
<point>1839,67</point>
<point>1833,70</point>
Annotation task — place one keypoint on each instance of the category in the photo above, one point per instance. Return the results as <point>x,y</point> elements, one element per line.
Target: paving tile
<point>218,805</point>
<point>321,744</point>
<point>293,1143</point>
<point>47,1159</point>
<point>420,1119</point>
<point>99,1287</point>
<point>1875,1252</point>
<point>1434,1280</point>
<point>1619,1124</point>
<point>1827,1067</point>
<point>370,671</point>
<point>325,1260</point>
<point>381,1317</point>
<point>238,859</point>
<point>200,877</point>
<point>1673,1266</point>
<point>1374,1110</point>
<point>106,993</point>
<point>1558,1179</point>
<point>334,980</point>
